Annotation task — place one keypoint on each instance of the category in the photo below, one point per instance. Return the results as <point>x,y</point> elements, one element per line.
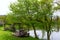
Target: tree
<point>34,12</point>
<point>23,12</point>
<point>3,20</point>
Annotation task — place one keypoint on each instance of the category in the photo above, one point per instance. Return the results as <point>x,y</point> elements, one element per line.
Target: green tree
<point>34,13</point>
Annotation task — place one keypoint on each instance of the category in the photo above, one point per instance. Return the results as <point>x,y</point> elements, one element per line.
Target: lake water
<point>54,35</point>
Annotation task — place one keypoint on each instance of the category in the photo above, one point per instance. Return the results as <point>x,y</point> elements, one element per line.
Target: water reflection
<point>54,35</point>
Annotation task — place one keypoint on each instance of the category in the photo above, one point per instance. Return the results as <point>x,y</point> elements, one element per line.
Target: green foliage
<point>32,12</point>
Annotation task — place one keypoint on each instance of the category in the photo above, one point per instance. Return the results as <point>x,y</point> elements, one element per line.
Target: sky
<point>4,7</point>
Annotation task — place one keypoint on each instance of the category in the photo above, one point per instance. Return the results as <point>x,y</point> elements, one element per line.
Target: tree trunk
<point>28,29</point>
<point>57,28</point>
<point>4,26</point>
<point>43,33</point>
<point>48,26</point>
<point>35,32</point>
<point>48,35</point>
<point>48,31</point>
<point>13,27</point>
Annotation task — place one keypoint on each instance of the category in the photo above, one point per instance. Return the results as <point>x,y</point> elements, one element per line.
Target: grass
<point>7,35</point>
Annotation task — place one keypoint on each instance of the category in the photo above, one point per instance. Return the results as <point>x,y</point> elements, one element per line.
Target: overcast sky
<point>4,7</point>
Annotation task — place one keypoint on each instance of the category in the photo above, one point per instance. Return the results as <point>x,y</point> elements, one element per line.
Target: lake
<point>54,35</point>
